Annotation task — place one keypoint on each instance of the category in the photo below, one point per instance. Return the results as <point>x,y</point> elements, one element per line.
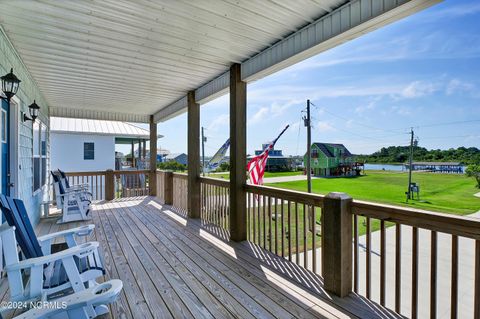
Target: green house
<point>330,160</point>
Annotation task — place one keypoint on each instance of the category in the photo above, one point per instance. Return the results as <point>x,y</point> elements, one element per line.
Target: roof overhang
<point>347,22</point>
<point>124,61</point>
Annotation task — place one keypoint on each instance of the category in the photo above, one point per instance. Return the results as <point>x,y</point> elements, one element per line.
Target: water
<point>386,167</point>
<point>390,167</point>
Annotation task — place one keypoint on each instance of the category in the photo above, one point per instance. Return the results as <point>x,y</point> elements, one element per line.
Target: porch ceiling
<point>125,60</point>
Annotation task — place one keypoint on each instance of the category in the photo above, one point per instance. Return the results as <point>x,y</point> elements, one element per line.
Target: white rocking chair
<point>74,204</point>
<point>42,275</point>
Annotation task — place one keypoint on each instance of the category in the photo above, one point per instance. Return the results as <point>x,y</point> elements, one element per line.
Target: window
<point>39,155</point>
<point>88,151</point>
<point>314,153</point>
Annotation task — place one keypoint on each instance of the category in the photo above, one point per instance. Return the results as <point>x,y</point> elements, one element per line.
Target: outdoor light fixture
<point>33,109</point>
<point>10,84</point>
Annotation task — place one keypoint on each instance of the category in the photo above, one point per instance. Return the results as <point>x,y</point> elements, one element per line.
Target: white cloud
<point>401,110</point>
<point>418,89</point>
<point>368,107</point>
<point>276,109</point>
<point>220,121</point>
<point>456,85</point>
<point>260,115</point>
<point>324,126</point>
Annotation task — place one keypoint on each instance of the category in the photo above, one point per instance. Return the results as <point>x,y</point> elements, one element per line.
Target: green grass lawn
<point>450,193</point>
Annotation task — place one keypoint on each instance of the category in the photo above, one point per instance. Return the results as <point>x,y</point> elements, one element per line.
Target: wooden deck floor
<point>173,267</point>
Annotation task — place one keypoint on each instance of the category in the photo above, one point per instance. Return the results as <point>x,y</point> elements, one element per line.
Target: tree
<point>473,170</point>
<point>224,167</point>
<point>171,165</point>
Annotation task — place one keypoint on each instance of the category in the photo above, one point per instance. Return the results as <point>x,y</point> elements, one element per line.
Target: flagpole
<point>273,143</point>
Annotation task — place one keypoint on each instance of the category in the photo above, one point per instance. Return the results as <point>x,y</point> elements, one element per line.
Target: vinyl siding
<point>28,92</point>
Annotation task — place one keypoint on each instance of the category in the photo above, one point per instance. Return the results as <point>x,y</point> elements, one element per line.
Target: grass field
<point>449,193</point>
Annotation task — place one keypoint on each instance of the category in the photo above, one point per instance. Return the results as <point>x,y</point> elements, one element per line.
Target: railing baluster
<point>454,291</point>
<point>297,250</point>
<point>282,216</point>
<point>254,222</point>
<point>433,275</point>
<point>217,207</point>
<point>249,215</point>
<point>259,221</point>
<point>314,237</point>
<point>270,223</point>
<point>289,231</point>
<point>275,209</point>
<point>414,272</point>
<point>264,222</point>
<point>382,262</point>
<point>305,236</point>
<point>369,256</point>
<point>355,253</point>
<point>398,267</point>
<point>476,303</point>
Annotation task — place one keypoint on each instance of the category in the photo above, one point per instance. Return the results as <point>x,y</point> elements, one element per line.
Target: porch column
<point>139,151</point>
<point>153,157</point>
<point>133,152</point>
<point>145,148</point>
<point>337,266</point>
<point>193,156</point>
<point>238,155</point>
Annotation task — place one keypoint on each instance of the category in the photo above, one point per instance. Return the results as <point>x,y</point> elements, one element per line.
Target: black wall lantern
<point>33,110</point>
<point>10,84</point>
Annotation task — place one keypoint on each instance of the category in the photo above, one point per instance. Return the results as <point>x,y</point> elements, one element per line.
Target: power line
<point>447,123</point>
<point>363,124</point>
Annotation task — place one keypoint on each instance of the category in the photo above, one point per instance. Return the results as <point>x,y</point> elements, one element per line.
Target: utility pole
<point>307,123</point>
<point>409,193</point>
<point>204,139</point>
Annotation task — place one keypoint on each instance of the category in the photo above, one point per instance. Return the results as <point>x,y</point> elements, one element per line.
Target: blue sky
<point>422,71</point>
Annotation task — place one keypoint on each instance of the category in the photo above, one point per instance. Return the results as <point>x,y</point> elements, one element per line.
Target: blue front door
<point>4,135</point>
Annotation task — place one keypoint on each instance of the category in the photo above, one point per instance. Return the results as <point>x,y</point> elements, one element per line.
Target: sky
<point>421,72</point>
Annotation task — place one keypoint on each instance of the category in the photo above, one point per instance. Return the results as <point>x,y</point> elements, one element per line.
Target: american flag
<point>256,166</point>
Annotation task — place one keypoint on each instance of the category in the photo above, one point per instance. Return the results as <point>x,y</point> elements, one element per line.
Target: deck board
<point>174,267</point>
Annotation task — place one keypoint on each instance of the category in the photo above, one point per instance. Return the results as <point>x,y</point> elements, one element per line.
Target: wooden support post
<point>168,187</point>
<point>144,148</point>
<point>193,156</point>
<point>238,155</point>
<point>109,185</point>
<point>153,157</point>
<point>139,152</point>
<point>337,244</point>
<point>133,152</point>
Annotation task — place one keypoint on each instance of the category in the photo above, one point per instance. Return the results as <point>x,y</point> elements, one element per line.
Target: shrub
<point>171,165</point>
<point>473,170</point>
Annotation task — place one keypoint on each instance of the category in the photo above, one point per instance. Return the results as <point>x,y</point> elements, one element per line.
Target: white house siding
<point>67,152</point>
<point>28,92</point>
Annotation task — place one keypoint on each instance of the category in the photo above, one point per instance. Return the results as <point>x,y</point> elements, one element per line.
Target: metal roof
<point>125,60</point>
<point>97,127</point>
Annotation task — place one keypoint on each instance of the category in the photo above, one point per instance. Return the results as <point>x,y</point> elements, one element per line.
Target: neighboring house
<point>180,158</point>
<point>25,149</point>
<point>276,162</point>
<point>89,145</point>
<point>331,160</point>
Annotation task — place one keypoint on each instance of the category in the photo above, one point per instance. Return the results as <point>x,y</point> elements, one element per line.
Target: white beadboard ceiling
<point>126,60</point>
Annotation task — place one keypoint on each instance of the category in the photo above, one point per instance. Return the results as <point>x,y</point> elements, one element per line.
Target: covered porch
<point>200,247</point>
<point>175,267</point>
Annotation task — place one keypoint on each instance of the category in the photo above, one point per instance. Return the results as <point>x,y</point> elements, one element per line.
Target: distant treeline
<point>399,154</point>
